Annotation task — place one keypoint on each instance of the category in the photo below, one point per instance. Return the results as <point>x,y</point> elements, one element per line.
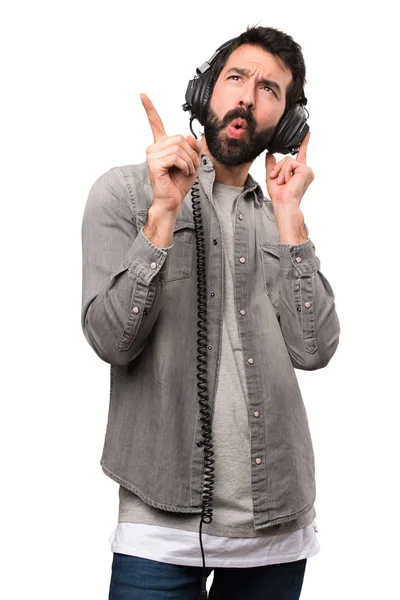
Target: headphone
<point>289,132</point>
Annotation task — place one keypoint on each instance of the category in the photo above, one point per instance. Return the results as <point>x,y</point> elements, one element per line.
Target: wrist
<point>290,223</point>
<point>159,227</point>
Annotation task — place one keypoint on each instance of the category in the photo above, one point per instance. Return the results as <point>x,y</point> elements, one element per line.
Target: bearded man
<point>238,460</point>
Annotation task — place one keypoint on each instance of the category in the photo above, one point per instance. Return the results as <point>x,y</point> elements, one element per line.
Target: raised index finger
<point>302,153</point>
<point>156,124</point>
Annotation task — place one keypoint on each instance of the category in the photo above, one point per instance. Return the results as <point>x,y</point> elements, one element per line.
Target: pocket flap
<point>181,223</point>
<point>270,249</point>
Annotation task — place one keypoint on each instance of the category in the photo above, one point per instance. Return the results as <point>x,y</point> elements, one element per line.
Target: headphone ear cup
<point>206,96</point>
<point>200,93</point>
<point>199,89</point>
<point>290,131</point>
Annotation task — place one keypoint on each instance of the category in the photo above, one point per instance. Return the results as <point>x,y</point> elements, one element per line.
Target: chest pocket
<point>271,268</point>
<point>181,257</point>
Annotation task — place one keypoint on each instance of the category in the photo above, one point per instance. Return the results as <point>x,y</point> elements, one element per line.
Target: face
<point>247,102</point>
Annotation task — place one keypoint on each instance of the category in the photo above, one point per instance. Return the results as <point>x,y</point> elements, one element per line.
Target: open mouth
<point>237,128</point>
<point>239,124</point>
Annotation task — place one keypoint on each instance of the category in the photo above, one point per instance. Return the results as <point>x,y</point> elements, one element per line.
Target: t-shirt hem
<point>220,563</point>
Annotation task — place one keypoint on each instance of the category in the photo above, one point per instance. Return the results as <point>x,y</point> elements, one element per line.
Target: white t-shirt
<point>180,547</point>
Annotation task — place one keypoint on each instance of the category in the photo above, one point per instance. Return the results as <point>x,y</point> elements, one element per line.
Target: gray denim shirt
<point>139,314</point>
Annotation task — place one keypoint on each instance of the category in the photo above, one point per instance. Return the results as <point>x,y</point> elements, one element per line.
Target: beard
<point>233,152</point>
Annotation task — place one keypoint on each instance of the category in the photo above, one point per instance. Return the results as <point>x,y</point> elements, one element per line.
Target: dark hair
<point>278,44</point>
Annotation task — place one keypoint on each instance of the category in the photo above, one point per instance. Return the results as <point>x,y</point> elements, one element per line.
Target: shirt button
<point>242,259</point>
<point>210,347</point>
<point>250,360</point>
<point>298,259</point>
<point>242,312</point>
<point>258,461</point>
<point>212,294</point>
<point>307,304</point>
<point>153,265</point>
<point>215,242</point>
<point>241,216</point>
<point>256,413</point>
<point>135,310</point>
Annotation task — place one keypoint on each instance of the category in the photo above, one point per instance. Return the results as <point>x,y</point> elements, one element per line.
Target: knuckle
<point>180,139</point>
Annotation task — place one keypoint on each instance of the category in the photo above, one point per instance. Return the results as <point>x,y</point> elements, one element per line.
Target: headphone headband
<point>208,64</point>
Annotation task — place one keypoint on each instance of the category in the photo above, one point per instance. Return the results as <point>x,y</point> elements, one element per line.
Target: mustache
<point>239,113</point>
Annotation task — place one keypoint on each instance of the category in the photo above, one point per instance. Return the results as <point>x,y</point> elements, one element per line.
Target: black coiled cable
<point>202,382</point>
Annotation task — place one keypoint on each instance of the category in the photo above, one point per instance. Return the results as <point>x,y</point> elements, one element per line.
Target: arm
<point>121,298</point>
<point>308,318</point>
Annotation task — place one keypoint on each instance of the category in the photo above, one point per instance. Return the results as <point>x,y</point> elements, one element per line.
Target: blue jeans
<point>134,578</point>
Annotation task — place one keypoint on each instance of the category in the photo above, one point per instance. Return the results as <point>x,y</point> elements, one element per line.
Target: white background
<point>71,77</point>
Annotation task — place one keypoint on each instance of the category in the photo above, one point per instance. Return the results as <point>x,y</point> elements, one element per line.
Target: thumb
<point>270,162</point>
<point>195,144</point>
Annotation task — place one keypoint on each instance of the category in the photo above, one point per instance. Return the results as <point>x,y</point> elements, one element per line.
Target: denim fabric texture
<point>139,314</point>
<point>134,578</point>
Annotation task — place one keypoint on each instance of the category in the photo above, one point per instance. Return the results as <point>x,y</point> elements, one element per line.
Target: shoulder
<point>137,174</point>
<point>127,184</point>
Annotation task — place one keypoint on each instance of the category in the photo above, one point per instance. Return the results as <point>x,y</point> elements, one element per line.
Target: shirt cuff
<point>151,244</point>
<point>144,259</point>
<point>301,257</point>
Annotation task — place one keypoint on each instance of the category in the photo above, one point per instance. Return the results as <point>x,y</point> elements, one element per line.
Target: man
<point>269,310</point>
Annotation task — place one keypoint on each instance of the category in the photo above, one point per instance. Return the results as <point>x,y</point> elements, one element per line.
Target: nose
<point>249,105</point>
<point>247,100</point>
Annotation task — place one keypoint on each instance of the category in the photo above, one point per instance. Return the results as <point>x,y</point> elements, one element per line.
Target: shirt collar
<point>250,185</point>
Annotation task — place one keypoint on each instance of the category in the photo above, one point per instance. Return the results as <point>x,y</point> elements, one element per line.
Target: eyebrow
<point>269,82</point>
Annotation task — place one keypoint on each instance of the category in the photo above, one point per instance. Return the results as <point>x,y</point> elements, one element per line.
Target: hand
<point>172,161</point>
<point>288,179</point>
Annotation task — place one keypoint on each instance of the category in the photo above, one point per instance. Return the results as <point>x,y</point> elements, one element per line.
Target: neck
<point>235,176</point>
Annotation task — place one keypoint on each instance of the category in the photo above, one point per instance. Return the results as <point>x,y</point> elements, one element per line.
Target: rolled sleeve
<point>144,259</point>
<point>298,259</point>
<point>308,318</point>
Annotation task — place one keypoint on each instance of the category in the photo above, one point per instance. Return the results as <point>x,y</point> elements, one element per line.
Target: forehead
<point>261,63</point>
